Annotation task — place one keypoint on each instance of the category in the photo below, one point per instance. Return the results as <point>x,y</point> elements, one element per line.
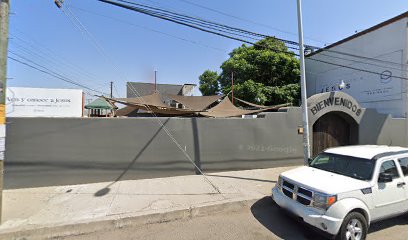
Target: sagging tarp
<point>226,109</point>
<point>198,103</point>
<point>149,100</point>
<point>262,106</point>
<point>151,103</point>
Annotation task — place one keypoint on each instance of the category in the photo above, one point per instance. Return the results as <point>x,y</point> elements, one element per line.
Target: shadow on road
<point>378,226</point>
<point>242,178</point>
<point>287,227</point>
<point>280,224</point>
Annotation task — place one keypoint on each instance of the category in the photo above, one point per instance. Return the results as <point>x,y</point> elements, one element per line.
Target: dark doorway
<point>334,129</point>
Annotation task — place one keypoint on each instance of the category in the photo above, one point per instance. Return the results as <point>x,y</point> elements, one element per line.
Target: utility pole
<point>4,23</point>
<point>111,87</point>
<point>305,118</point>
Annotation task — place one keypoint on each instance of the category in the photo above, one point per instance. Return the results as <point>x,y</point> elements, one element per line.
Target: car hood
<point>323,181</point>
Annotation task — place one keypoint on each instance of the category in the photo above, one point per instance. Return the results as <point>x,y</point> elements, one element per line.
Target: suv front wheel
<point>354,227</point>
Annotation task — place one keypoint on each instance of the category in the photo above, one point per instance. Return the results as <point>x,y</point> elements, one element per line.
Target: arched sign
<point>323,103</point>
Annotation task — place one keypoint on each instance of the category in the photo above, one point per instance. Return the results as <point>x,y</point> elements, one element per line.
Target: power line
<point>55,75</point>
<point>157,12</point>
<point>246,20</point>
<point>171,14</point>
<point>161,124</point>
<point>47,52</point>
<point>150,13</point>
<point>46,61</point>
<point>150,29</point>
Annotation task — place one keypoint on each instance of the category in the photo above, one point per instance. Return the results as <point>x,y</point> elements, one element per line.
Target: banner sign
<point>43,102</point>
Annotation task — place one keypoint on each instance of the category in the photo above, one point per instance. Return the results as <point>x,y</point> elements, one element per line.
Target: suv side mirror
<point>385,177</point>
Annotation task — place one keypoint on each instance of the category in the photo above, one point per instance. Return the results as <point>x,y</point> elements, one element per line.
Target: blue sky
<point>136,44</point>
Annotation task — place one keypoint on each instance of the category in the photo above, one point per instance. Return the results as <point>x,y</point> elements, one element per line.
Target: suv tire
<point>353,224</point>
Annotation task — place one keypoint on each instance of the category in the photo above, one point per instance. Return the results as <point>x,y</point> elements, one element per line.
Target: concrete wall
<point>46,151</point>
<point>43,152</point>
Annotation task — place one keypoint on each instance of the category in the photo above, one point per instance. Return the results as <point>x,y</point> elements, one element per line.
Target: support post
<point>155,80</point>
<point>232,87</point>
<point>305,117</point>
<point>4,23</point>
<point>111,87</point>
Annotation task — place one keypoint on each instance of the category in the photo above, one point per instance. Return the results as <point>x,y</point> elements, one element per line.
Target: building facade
<point>371,66</point>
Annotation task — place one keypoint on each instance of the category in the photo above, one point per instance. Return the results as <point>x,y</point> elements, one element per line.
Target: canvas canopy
<point>198,103</point>
<point>150,100</point>
<point>261,106</point>
<point>226,109</point>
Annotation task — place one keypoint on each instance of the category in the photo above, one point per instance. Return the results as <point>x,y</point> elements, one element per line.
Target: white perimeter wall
<point>385,92</point>
<point>43,102</point>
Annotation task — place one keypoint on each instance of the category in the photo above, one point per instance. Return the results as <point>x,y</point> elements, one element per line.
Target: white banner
<point>43,102</point>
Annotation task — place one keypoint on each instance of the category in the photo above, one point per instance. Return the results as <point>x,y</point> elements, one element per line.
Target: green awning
<point>100,103</point>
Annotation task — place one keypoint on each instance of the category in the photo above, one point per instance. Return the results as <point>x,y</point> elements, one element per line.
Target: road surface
<point>262,221</point>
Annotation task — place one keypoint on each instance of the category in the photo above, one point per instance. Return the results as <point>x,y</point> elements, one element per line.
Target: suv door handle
<point>401,184</point>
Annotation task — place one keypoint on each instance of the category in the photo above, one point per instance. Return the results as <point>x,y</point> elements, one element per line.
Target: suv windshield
<point>358,168</point>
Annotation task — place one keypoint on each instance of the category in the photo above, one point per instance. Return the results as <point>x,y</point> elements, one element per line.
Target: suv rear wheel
<point>354,227</point>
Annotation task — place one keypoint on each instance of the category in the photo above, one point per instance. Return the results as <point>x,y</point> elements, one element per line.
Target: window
<point>353,167</point>
<point>390,168</point>
<point>404,165</point>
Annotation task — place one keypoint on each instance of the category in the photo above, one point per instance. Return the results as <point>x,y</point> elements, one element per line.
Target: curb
<point>60,231</point>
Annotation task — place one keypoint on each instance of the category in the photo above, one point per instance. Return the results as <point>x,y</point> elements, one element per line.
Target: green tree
<point>209,83</point>
<point>264,73</point>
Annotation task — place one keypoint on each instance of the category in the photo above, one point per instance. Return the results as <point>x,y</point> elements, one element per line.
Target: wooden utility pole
<point>4,23</point>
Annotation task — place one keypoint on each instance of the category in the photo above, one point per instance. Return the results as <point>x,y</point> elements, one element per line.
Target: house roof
<point>371,29</point>
<point>100,103</point>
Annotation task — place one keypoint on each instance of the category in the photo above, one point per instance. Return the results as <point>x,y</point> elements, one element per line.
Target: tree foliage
<point>209,83</point>
<point>264,73</point>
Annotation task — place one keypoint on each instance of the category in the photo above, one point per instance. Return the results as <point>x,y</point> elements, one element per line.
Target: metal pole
<point>305,118</point>
<point>4,23</point>
<point>232,87</point>
<point>111,87</point>
<point>155,80</point>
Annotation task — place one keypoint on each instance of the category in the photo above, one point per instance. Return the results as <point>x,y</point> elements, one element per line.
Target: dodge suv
<point>344,189</point>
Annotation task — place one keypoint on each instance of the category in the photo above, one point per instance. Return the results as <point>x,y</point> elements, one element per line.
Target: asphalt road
<point>262,221</point>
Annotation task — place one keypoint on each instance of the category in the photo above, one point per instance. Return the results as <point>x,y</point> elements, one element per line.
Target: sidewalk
<point>52,212</point>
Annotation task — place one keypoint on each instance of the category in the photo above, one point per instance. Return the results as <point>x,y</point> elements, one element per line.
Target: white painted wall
<point>385,92</point>
<point>43,102</point>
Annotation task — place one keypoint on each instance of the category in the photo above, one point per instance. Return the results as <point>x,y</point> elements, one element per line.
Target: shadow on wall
<point>371,126</point>
<point>106,189</point>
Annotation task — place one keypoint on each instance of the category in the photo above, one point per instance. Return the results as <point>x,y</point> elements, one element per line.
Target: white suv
<point>344,189</point>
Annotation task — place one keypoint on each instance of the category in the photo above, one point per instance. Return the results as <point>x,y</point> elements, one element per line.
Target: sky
<point>128,46</point>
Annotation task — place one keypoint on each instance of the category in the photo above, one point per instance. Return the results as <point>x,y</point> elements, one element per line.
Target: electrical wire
<point>46,54</point>
<point>150,29</point>
<point>161,124</point>
<point>234,37</point>
<point>247,20</point>
<point>55,75</point>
